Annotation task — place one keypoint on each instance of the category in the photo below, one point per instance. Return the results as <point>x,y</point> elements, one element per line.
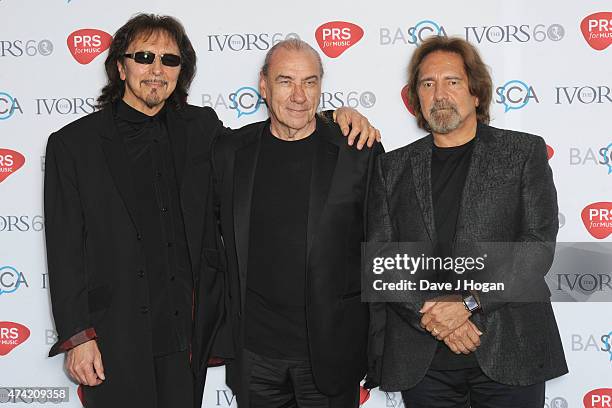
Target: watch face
<point>470,303</point>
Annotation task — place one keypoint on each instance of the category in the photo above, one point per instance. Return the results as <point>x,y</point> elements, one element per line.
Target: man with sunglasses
<point>132,251</point>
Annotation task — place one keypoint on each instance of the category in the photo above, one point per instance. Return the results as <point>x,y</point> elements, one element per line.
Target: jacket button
<point>164,209</point>
<point>139,237</point>
<point>176,312</point>
<point>172,278</point>
<point>144,309</point>
<point>140,273</point>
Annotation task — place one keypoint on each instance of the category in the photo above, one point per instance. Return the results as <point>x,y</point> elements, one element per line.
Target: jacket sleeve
<point>65,235</point>
<point>533,253</point>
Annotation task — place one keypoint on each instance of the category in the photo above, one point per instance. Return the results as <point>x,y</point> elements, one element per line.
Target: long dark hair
<point>479,80</point>
<point>144,25</point>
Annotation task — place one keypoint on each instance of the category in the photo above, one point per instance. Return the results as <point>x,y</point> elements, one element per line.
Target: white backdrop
<point>549,79</point>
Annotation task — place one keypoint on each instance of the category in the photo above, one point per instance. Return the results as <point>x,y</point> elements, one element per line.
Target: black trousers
<point>470,387</point>
<point>173,386</point>
<point>278,383</point>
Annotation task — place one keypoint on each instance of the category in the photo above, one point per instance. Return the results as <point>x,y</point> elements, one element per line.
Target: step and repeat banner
<point>552,71</point>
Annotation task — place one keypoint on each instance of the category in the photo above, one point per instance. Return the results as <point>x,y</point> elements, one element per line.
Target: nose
<point>298,95</point>
<point>156,66</point>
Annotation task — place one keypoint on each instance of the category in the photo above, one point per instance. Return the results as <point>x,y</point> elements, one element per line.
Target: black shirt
<point>276,315</point>
<point>449,168</point>
<point>167,265</point>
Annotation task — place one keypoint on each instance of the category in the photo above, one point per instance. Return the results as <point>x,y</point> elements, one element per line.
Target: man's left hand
<point>353,123</point>
<point>441,316</point>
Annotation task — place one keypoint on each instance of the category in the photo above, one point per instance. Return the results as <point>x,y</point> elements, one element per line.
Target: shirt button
<point>164,209</point>
<point>176,312</point>
<point>169,244</point>
<point>158,174</point>
<point>172,278</point>
<point>144,309</point>
<point>156,140</point>
<point>139,237</point>
<point>140,273</point>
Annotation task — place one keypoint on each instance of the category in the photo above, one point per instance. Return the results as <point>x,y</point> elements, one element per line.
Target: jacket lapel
<point>421,176</point>
<point>245,163</point>
<point>323,166</point>
<point>118,165</point>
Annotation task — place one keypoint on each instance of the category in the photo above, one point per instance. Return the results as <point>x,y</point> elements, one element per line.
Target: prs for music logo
<point>10,162</point>
<point>86,44</point>
<point>336,37</point>
<point>597,219</point>
<point>12,335</point>
<point>597,30</point>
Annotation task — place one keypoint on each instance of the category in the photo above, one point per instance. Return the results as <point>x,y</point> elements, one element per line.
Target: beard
<point>444,117</point>
<point>154,98</point>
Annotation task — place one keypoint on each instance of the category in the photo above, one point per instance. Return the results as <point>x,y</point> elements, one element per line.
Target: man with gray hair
<point>291,200</point>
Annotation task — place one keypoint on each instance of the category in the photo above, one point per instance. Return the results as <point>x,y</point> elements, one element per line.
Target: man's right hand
<point>465,339</point>
<point>84,364</point>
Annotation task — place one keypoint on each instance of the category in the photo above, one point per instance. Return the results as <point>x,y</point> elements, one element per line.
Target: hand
<point>465,339</point>
<point>441,316</point>
<point>350,120</point>
<point>84,364</point>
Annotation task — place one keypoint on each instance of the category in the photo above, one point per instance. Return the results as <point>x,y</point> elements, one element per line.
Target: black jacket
<point>95,254</point>
<point>337,320</point>
<point>509,196</point>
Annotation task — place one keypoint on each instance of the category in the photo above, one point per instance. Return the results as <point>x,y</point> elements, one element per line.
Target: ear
<point>121,70</point>
<point>262,85</point>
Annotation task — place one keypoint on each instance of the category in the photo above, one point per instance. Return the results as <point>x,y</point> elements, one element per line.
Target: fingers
<point>355,131</point>
<point>427,306</point>
<point>473,335</point>
<point>378,136</point>
<point>99,367</point>
<point>342,119</point>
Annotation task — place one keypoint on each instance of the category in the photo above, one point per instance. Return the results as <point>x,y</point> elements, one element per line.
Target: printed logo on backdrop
<point>12,335</point>
<point>597,219</point>
<point>246,41</point>
<point>51,337</point>
<point>598,398</point>
<point>25,48</point>
<point>598,343</point>
<point>515,94</point>
<point>406,99</point>
<point>411,35</point>
<point>364,395</point>
<point>65,106</point>
<point>8,106</point>
<point>592,157</point>
<point>555,402</point>
<point>550,152</point>
<point>597,30</point>
<point>351,99</point>
<point>11,280</point>
<point>335,37</point>
<point>393,400</point>
<point>10,162</point>
<point>21,223</point>
<point>583,94</point>
<point>523,33</point>
<point>246,100</point>
<point>87,43</point>
<point>225,398</point>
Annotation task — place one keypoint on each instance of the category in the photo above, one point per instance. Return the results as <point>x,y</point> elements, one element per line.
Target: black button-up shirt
<point>167,266</point>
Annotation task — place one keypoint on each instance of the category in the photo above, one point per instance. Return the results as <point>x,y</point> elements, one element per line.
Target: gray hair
<point>294,44</point>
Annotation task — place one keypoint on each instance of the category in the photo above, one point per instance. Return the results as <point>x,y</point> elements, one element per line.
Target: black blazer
<point>95,255</point>
<point>337,320</point>
<point>509,196</point>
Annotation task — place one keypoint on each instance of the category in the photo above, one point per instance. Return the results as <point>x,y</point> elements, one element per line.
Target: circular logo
<point>291,36</point>
<point>367,99</point>
<point>558,402</point>
<point>7,104</point>
<point>45,47</point>
<point>556,32</point>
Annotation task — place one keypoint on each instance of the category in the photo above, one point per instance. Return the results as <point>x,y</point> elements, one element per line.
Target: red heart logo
<point>550,152</point>
<point>11,335</point>
<point>336,37</point>
<point>597,219</point>
<point>597,30</point>
<point>406,100</point>
<point>10,162</point>
<point>599,398</point>
<point>87,43</point>
<point>364,395</point>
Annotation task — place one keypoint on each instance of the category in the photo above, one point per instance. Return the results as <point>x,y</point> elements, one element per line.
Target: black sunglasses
<point>147,57</point>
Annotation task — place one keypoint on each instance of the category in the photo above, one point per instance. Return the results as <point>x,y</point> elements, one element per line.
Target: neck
<point>457,137</point>
<point>141,107</point>
<point>284,132</point>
